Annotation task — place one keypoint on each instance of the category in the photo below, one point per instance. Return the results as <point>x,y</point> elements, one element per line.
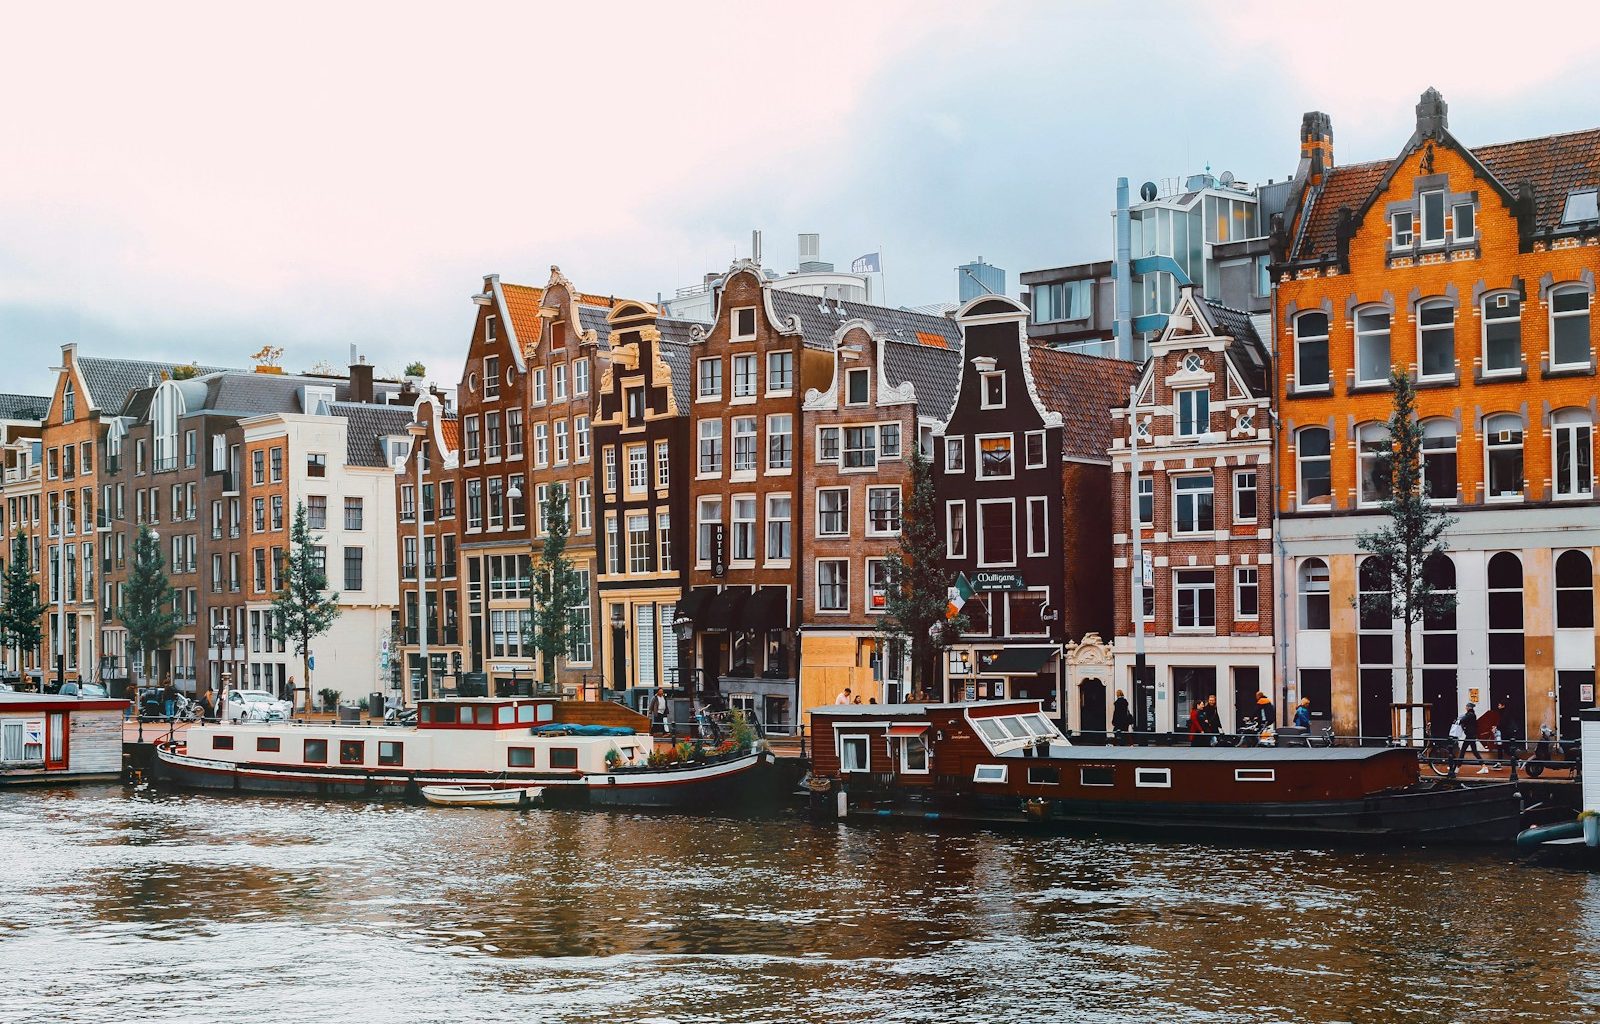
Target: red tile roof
<point>1083,389</point>
<point>1553,164</point>
<point>522,306</point>
<point>451,430</point>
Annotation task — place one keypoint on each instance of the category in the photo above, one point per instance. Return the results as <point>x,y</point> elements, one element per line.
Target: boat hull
<point>1433,814</point>
<point>751,782</point>
<point>481,796</point>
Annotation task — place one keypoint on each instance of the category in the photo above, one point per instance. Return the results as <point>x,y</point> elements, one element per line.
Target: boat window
<point>547,713</point>
<point>269,744</point>
<point>1148,778</point>
<point>352,751</point>
<point>854,754</point>
<point>1044,775</point>
<point>520,757</point>
<point>914,755</point>
<point>485,716</point>
<point>989,773</point>
<point>222,743</point>
<point>390,752</point>
<point>1102,776</point>
<point>316,752</point>
<point>1012,727</point>
<point>990,727</point>
<point>505,713</point>
<point>1038,726</point>
<point>524,713</point>
<point>444,714</point>
<point>1255,775</point>
<point>563,757</point>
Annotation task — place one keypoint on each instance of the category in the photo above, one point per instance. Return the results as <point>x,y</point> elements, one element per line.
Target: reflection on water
<point>151,906</point>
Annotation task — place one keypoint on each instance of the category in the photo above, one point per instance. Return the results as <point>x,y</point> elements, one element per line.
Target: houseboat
<point>1004,761</point>
<point>579,753</point>
<point>51,738</point>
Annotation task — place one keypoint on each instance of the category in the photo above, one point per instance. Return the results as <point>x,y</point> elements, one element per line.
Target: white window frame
<point>873,531</point>
<point>977,456</point>
<point>1177,503</point>
<point>1423,330</point>
<point>1564,289</point>
<point>1325,503</point>
<point>1239,586</point>
<point>737,470</point>
<point>927,756</point>
<point>1425,226</point>
<point>540,391</point>
<point>1360,336</point>
<point>704,435</point>
<point>1363,456</point>
<point>744,364</point>
<point>1455,221</point>
<point>995,773</point>
<point>1146,488</point>
<point>844,512</point>
<point>950,516</point>
<point>1255,775</point>
<point>1179,587</point>
<point>751,526</point>
<point>1300,339</point>
<point>868,587</point>
<point>773,433</point>
<point>787,377</point>
<point>849,739</point>
<point>1401,238</point>
<point>773,519</point>
<point>735,330</point>
<point>702,552</point>
<point>1027,452</point>
<point>842,583</point>
<point>1575,422</point>
<point>850,376</point>
<point>1490,436</point>
<point>1038,547</point>
<point>1152,778</point>
<point>956,447</point>
<point>1486,305</point>
<point>984,379</point>
<point>1254,489</point>
<point>1010,503</point>
<point>701,393</point>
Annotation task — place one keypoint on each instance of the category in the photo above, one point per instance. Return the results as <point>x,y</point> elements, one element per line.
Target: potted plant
<point>330,698</point>
<point>415,371</point>
<point>613,759</point>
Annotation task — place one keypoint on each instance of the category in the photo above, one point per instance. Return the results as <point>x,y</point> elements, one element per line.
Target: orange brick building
<point>1473,269</point>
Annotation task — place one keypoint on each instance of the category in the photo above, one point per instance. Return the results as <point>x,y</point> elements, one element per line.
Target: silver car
<point>254,706</point>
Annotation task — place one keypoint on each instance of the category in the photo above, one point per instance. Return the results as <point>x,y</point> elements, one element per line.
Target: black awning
<point>768,609</point>
<point>1015,661</point>
<point>694,604</point>
<point>725,608</point>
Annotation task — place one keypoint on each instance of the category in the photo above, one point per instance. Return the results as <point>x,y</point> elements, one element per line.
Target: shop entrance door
<point>1190,687</point>
<point>1574,692</point>
<point>1092,710</point>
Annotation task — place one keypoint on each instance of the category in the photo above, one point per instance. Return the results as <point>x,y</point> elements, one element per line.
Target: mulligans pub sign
<point>992,582</point>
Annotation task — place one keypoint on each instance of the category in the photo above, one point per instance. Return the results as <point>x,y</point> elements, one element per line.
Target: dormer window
<point>858,385</point>
<point>744,323</point>
<point>994,389</point>
<point>1432,205</point>
<point>1581,206</point>
<point>1403,230</point>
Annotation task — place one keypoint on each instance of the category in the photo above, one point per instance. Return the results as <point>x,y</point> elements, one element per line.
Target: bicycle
<point>1322,739</point>
<point>1441,755</point>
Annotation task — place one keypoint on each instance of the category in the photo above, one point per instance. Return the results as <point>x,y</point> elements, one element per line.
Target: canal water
<point>123,905</point>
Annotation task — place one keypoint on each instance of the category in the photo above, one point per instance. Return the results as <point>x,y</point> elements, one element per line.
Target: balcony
<point>408,571</point>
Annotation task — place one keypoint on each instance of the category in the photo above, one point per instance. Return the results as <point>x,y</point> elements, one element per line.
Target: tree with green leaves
<point>557,591</point>
<point>1413,533</point>
<point>303,609</point>
<point>151,610</point>
<point>21,611</point>
<point>917,586</point>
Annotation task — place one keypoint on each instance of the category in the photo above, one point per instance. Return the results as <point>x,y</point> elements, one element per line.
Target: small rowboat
<point>482,796</point>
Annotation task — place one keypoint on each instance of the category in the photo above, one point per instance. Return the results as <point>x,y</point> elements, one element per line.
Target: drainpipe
<point>1123,273</point>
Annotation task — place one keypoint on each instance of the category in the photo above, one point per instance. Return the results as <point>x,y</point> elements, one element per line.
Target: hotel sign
<point>997,581</point>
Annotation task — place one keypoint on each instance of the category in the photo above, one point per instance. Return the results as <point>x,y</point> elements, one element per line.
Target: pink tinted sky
<point>190,181</point>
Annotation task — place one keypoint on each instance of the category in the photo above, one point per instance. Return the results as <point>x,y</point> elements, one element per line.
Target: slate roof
<point>819,319</point>
<point>677,355</point>
<point>1083,389</point>
<point>1247,353</point>
<point>111,381</point>
<point>23,407</point>
<point>1553,164</point>
<point>934,373</point>
<point>593,318</point>
<point>368,423</point>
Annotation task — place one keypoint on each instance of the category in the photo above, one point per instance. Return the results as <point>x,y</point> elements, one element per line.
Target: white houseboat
<point>579,753</point>
<point>49,738</point>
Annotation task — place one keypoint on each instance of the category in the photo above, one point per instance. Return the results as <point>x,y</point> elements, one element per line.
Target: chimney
<point>361,382</point>
<point>1316,143</point>
<point>1433,115</point>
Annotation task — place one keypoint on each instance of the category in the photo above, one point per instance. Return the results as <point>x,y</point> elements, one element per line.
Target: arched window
<point>1502,439</point>
<point>1439,619</point>
<point>1436,339</point>
<point>1502,333</point>
<point>1569,327</point>
<point>1372,346</point>
<point>1375,452</point>
<point>1311,350</point>
<point>1314,608</point>
<point>1439,460</point>
<point>1574,453</point>
<point>1574,591</point>
<point>1375,613</point>
<point>1505,609</point>
<point>168,405</point>
<point>1313,451</point>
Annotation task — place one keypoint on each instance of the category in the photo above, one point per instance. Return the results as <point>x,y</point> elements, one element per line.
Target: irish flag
<point>958,595</point>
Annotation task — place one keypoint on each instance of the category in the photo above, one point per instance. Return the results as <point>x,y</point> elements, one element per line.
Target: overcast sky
<point>194,181</point>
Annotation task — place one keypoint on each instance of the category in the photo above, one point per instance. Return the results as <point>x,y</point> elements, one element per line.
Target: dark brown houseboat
<point>1004,761</point>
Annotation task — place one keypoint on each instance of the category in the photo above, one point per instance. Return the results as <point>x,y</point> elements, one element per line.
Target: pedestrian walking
<point>1469,737</point>
<point>1211,720</point>
<point>658,712</point>
<point>169,699</point>
<point>1264,712</point>
<point>1121,719</point>
<point>1197,731</point>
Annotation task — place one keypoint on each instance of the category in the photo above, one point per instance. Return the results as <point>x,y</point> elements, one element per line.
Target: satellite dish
<point>1147,191</point>
<point>1227,178</point>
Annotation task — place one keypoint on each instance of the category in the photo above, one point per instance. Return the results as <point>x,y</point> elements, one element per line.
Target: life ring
<point>819,783</point>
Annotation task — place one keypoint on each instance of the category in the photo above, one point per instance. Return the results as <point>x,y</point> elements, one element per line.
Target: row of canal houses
<point>734,486</point>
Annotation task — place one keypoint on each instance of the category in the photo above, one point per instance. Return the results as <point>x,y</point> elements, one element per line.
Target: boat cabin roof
<point>485,712</point>
<point>974,709</point>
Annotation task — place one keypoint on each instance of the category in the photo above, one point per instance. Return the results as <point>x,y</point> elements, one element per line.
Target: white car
<point>254,706</point>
